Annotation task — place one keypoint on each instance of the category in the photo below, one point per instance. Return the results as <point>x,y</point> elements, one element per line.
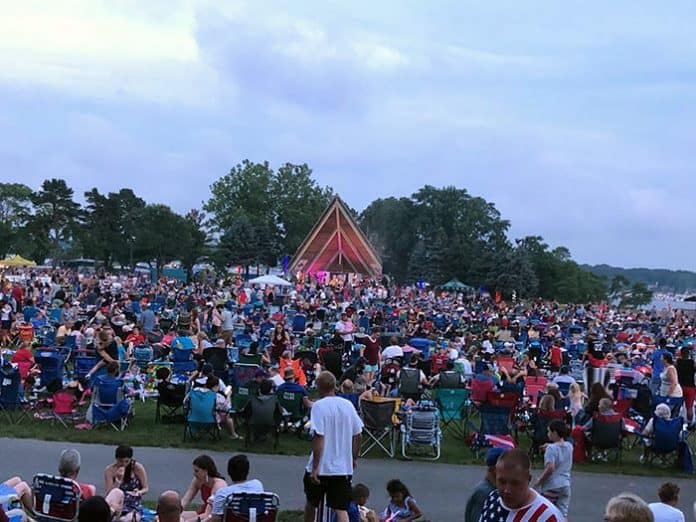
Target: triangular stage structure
<point>337,245</point>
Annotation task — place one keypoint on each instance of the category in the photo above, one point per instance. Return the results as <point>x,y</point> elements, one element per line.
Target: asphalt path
<point>440,489</point>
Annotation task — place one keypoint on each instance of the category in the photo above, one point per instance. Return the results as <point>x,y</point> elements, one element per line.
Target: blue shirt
<point>292,387</point>
<point>657,365</point>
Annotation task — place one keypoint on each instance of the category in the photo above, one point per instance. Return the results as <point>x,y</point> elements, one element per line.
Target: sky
<point>576,119</point>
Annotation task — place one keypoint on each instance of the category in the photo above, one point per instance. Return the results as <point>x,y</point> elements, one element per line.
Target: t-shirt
<point>474,506</point>
<point>148,320</point>
<point>371,352</point>
<point>393,351</point>
<point>250,486</point>
<point>539,510</point>
<point>227,321</point>
<point>665,513</point>
<point>561,455</point>
<point>292,387</point>
<point>336,419</point>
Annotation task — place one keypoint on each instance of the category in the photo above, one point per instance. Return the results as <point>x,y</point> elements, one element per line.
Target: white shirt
<point>336,419</point>
<point>665,513</point>
<point>390,352</point>
<point>345,326</point>
<point>250,486</point>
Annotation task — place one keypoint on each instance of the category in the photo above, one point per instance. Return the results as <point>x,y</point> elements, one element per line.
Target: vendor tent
<point>269,280</point>
<point>16,261</point>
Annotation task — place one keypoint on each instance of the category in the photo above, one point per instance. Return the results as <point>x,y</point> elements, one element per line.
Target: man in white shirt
<point>238,470</point>
<point>335,447</point>
<point>392,351</point>
<point>665,510</point>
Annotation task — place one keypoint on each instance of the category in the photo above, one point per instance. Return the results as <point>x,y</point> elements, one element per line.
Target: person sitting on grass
<point>208,481</point>
<point>357,510</point>
<point>402,506</point>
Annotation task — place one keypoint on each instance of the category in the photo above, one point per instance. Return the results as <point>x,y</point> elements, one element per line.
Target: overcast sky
<point>577,119</point>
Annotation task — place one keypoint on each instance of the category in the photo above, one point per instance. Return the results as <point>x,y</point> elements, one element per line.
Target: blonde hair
<point>627,507</point>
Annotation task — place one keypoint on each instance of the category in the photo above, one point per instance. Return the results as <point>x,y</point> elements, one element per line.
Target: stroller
<point>421,428</point>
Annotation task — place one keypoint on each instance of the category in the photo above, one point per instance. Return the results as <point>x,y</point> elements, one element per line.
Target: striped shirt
<point>540,510</point>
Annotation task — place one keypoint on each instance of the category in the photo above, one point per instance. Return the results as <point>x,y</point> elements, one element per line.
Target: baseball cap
<point>492,456</point>
<point>260,373</point>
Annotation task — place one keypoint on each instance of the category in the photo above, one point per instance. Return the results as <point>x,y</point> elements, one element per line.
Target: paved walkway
<point>441,489</point>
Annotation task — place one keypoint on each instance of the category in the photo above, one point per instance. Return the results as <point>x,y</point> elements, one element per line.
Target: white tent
<point>269,280</point>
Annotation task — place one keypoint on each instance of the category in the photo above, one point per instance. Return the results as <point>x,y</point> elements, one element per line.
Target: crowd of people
<point>362,334</point>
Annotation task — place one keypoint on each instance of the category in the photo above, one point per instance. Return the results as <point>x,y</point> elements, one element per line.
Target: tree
<point>389,225</point>
<point>56,218</point>
<point>417,263</point>
<point>192,240</point>
<point>15,212</point>
<point>297,201</point>
<point>619,285</point>
<point>637,295</point>
<point>238,244</point>
<point>245,196</point>
<point>157,235</point>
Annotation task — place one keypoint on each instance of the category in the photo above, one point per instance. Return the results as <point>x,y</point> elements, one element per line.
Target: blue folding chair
<point>11,405</point>
<point>51,364</point>
<point>109,405</point>
<point>199,414</point>
<point>182,355</point>
<point>665,439</point>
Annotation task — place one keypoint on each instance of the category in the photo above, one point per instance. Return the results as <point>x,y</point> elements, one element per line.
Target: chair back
<point>564,388</point>
<point>606,431</point>
<point>409,381</point>
<point>201,407</point>
<point>449,379</point>
<point>107,390</point>
<point>265,411</point>
<point>63,402</point>
<point>541,423</point>
<point>666,434</point>
<point>377,414</point>
<point>10,385</point>
<point>502,399</point>
<point>254,359</point>
<point>216,357</point>
<point>143,355</point>
<point>241,374</point>
<point>251,507</point>
<point>56,499</point>
<point>292,402</point>
<point>536,381</point>
<point>480,389</point>
<point>452,402</point>
<point>240,398</point>
<point>505,362</point>
<point>171,394</point>
<point>533,391</point>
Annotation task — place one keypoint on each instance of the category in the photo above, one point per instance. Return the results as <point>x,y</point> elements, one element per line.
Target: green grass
<point>143,431</point>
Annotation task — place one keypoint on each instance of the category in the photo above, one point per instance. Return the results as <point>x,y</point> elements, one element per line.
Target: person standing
<point>335,447</point>
<point>345,328</point>
<point>514,500</point>
<point>474,506</point>
<point>554,481</point>
<point>686,371</point>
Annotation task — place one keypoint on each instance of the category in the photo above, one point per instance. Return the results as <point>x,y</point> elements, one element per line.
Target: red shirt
<point>556,356</point>
<point>135,339</point>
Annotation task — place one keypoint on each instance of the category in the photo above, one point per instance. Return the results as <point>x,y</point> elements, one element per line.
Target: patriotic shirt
<point>540,510</point>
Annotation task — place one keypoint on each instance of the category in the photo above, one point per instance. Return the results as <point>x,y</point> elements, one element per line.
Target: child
<point>402,506</point>
<point>357,511</point>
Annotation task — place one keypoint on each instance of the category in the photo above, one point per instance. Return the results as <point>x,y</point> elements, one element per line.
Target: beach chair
<point>664,442</point>
<point>251,507</point>
<point>292,407</point>
<point>421,429</point>
<point>109,405</point>
<point>263,416</point>
<point>606,436</point>
<point>56,499</point>
<point>170,402</point>
<point>453,404</point>
<point>51,364</point>
<point>12,407</point>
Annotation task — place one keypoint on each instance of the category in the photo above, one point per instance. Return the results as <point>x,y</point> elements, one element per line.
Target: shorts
<point>371,368</point>
<point>6,325</point>
<point>336,489</point>
<point>560,497</point>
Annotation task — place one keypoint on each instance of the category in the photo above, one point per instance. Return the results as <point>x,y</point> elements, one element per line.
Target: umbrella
<point>16,261</point>
<point>455,284</point>
<point>269,280</point>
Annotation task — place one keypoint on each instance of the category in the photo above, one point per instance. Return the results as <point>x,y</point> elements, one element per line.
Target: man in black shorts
<point>335,447</point>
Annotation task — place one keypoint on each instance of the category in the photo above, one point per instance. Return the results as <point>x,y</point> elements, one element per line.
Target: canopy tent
<point>336,245</point>
<point>457,285</point>
<point>16,261</point>
<point>269,280</point>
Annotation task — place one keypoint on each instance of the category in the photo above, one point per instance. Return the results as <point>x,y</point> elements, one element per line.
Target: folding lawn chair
<point>421,429</point>
<point>496,413</point>
<point>109,405</point>
<point>143,356</point>
<point>606,436</point>
<point>251,507</point>
<point>170,402</point>
<point>199,414</point>
<point>63,408</point>
<point>409,383</point>
<point>539,429</point>
<point>664,442</point>
<point>217,358</point>
<point>56,499</point>
<point>264,416</point>
<point>292,407</point>
<point>13,408</point>
<point>51,364</point>
<point>453,404</point>
<point>379,428</point>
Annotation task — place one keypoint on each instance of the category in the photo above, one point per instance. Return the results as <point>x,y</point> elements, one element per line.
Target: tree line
<point>259,215</point>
